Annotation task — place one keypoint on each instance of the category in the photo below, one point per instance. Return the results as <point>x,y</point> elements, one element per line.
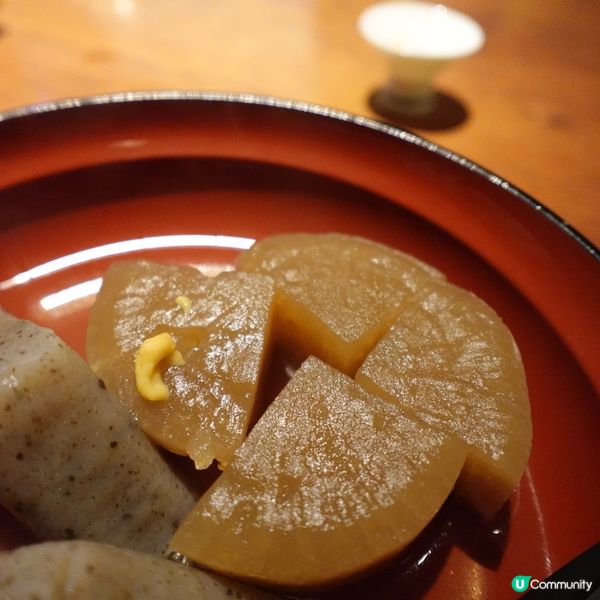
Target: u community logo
<point>521,583</point>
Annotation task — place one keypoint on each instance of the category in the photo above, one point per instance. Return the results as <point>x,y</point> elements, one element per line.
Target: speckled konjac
<point>72,463</point>
<point>81,570</point>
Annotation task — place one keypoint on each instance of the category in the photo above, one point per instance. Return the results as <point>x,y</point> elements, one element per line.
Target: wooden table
<point>526,107</point>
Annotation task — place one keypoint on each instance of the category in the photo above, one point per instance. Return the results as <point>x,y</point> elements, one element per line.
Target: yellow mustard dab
<point>152,355</point>
<point>184,302</point>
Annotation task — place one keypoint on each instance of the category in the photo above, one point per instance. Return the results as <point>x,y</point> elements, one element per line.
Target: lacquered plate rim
<point>317,110</point>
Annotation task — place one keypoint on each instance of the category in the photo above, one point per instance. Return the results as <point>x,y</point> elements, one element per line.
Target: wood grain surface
<point>527,106</point>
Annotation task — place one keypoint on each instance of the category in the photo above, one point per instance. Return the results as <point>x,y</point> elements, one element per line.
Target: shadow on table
<point>447,111</point>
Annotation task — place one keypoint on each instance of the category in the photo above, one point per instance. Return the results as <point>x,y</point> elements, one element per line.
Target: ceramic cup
<point>419,38</point>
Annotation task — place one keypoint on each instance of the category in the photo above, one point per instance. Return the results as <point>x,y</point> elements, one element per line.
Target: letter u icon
<point>520,582</point>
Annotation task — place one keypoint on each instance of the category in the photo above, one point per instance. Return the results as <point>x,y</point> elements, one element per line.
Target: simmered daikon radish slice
<point>450,360</point>
<point>331,481</point>
<point>219,329</point>
<point>335,294</point>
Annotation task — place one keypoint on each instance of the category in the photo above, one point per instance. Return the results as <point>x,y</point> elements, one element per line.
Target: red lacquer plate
<point>197,177</point>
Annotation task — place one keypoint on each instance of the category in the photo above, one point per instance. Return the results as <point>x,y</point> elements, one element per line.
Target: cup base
<point>394,100</point>
<point>445,111</point>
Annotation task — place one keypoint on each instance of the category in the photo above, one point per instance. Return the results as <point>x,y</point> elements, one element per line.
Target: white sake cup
<point>419,38</point>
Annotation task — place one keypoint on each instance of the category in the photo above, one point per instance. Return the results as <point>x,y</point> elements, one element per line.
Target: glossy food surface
<point>451,360</point>
<point>328,467</point>
<point>221,329</point>
<point>104,180</point>
<point>336,294</point>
